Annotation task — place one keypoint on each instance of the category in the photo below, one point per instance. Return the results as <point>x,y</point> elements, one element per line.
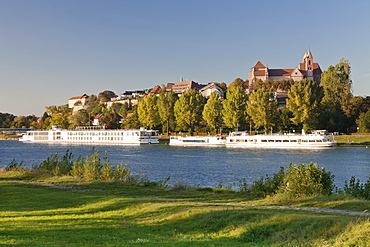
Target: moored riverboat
<point>197,140</point>
<point>315,140</point>
<point>92,135</point>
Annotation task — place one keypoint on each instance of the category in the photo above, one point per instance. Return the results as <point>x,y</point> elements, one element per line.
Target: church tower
<point>307,60</point>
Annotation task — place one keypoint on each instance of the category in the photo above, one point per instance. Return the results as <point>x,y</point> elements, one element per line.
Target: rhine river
<point>202,166</point>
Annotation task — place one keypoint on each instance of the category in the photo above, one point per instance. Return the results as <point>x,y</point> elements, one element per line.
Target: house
<point>212,88</point>
<point>307,69</point>
<point>97,119</point>
<point>79,100</point>
<point>183,86</point>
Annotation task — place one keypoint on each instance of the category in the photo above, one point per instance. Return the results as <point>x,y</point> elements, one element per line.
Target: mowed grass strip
<point>34,215</point>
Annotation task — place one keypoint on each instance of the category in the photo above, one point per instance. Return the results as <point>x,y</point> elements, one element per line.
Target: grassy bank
<point>114,214</point>
<point>353,139</point>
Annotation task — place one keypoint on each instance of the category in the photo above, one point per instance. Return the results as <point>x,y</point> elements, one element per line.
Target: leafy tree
<point>363,122</point>
<point>20,122</point>
<point>238,82</point>
<point>166,104</point>
<point>80,118</point>
<point>262,108</point>
<point>233,112</point>
<point>212,112</point>
<point>188,110</point>
<point>304,102</point>
<point>59,119</point>
<point>148,112</point>
<point>6,120</point>
<point>111,120</point>
<point>337,85</point>
<point>106,95</point>
<point>283,120</point>
<point>133,121</point>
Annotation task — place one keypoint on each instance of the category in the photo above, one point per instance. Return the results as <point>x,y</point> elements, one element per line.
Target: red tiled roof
<point>280,72</point>
<point>259,65</point>
<point>79,97</point>
<point>260,73</point>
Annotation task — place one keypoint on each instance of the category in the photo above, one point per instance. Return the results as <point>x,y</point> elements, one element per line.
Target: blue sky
<point>52,50</point>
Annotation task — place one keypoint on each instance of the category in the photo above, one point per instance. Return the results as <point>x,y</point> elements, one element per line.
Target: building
<point>212,88</point>
<point>306,69</point>
<point>183,86</point>
<point>79,100</point>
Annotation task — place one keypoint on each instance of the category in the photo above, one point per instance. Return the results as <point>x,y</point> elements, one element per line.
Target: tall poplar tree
<point>304,102</point>
<point>233,112</point>
<point>262,108</point>
<point>148,112</point>
<point>337,85</point>
<point>188,110</point>
<point>166,104</point>
<point>212,112</point>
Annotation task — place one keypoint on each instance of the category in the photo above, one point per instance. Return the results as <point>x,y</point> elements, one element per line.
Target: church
<point>306,69</point>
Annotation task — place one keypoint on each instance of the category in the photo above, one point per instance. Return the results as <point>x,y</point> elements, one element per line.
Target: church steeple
<point>307,60</point>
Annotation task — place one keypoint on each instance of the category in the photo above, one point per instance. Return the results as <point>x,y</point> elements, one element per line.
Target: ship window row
<point>270,140</point>
<point>107,133</point>
<point>79,138</point>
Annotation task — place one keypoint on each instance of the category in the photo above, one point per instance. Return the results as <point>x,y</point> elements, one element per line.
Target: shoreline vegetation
<point>89,202</point>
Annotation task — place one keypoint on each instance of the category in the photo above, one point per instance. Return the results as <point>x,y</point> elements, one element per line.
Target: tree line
<point>309,106</point>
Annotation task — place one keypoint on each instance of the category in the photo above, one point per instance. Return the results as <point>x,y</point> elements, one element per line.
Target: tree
<point>188,110</point>
<point>148,112</point>
<point>337,85</point>
<point>238,82</point>
<point>132,122</point>
<point>233,112</point>
<point>262,108</point>
<point>304,102</point>
<point>106,95</point>
<point>363,122</point>
<point>80,118</point>
<point>212,112</point>
<point>59,119</point>
<point>166,104</point>
<point>111,120</point>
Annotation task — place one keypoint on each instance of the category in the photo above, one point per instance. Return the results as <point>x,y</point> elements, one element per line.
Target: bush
<point>265,185</point>
<point>56,165</point>
<point>307,180</point>
<point>357,189</point>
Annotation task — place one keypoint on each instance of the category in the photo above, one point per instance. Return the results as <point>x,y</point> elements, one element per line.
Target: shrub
<point>15,166</point>
<point>307,180</point>
<point>56,165</point>
<point>357,189</point>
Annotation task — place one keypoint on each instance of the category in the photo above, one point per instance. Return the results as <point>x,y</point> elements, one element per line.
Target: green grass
<point>353,139</point>
<point>115,214</point>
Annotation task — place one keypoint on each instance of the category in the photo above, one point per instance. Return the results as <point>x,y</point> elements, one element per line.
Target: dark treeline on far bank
<point>329,105</point>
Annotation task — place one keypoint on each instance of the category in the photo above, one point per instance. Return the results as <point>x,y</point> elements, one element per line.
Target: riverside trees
<point>329,105</point>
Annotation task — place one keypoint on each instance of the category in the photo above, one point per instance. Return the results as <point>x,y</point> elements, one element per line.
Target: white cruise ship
<point>243,139</point>
<point>92,135</point>
<point>196,140</point>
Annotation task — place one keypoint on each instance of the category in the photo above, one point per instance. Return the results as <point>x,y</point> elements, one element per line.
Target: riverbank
<point>75,213</point>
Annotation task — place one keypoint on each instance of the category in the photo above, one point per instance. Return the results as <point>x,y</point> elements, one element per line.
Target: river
<point>202,166</point>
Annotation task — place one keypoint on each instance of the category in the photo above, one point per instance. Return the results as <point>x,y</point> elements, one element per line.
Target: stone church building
<point>306,69</point>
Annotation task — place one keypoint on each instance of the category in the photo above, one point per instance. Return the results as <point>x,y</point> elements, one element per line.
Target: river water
<point>202,166</point>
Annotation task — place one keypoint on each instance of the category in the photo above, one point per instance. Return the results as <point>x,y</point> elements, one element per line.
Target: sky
<point>52,50</point>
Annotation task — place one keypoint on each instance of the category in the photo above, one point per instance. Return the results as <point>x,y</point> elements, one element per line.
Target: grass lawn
<point>353,139</point>
<point>114,214</point>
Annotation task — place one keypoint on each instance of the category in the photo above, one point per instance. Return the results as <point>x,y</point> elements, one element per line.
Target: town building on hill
<point>212,88</point>
<point>78,102</point>
<point>183,86</point>
<point>306,69</point>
